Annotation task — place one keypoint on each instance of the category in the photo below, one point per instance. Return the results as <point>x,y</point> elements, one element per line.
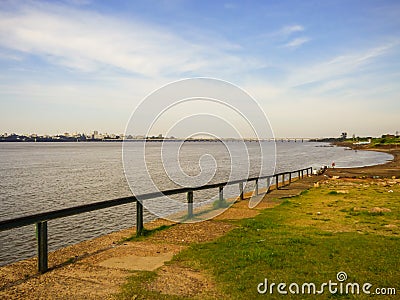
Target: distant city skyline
<point>99,135</point>
<point>317,68</point>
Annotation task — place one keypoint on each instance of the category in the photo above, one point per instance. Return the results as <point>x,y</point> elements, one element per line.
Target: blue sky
<point>317,68</point>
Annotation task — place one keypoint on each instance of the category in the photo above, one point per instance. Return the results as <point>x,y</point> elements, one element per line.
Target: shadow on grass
<point>146,233</point>
<point>138,287</point>
<point>218,204</point>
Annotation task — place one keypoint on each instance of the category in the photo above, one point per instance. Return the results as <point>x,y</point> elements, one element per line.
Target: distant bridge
<point>295,140</point>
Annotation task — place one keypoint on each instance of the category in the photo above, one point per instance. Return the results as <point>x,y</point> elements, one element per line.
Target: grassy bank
<point>374,142</point>
<point>344,225</point>
<point>385,141</point>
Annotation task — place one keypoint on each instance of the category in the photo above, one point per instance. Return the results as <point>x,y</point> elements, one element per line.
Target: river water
<point>39,177</point>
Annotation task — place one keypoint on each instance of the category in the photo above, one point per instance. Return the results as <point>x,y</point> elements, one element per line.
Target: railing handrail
<point>70,211</point>
<point>41,219</point>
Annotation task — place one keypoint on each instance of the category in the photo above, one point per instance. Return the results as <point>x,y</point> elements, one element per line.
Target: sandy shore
<point>387,170</point>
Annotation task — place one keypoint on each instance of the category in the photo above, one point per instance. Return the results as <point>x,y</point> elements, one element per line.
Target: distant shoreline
<point>73,140</point>
<point>388,169</point>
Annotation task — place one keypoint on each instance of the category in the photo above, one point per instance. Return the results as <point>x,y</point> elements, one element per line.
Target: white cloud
<point>339,66</point>
<point>88,41</point>
<point>288,36</point>
<point>10,56</point>
<point>296,42</point>
<point>84,41</point>
<point>287,30</point>
<point>282,34</point>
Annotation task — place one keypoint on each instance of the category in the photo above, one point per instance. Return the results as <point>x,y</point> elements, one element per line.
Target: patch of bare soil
<point>23,270</point>
<point>135,262</point>
<point>377,210</point>
<point>192,232</point>
<point>183,281</point>
<point>138,248</point>
<point>78,281</point>
<point>236,212</point>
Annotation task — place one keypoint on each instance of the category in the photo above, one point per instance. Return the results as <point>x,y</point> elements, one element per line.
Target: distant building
<point>388,136</point>
<point>95,134</point>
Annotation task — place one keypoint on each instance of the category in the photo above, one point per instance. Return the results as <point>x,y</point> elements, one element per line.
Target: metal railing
<point>40,219</point>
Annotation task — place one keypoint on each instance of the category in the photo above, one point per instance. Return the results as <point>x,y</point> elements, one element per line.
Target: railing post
<point>190,203</point>
<point>41,226</point>
<point>139,218</point>
<point>241,190</point>
<point>221,193</point>
<point>41,231</point>
<point>256,187</point>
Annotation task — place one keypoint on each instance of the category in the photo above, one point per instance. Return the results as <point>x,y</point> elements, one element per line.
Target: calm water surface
<point>39,177</point>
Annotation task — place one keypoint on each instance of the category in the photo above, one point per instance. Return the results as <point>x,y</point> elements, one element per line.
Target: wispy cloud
<point>288,36</point>
<point>285,32</point>
<point>339,66</point>
<point>296,42</point>
<point>84,41</point>
<point>10,56</point>
<point>89,41</point>
<point>78,2</point>
<point>288,30</point>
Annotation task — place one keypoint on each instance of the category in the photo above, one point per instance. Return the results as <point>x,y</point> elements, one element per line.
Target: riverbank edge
<point>388,169</point>
<point>16,273</point>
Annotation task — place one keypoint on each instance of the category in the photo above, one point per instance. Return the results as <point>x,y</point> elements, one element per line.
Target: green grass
<point>145,233</point>
<point>220,204</point>
<point>385,141</point>
<point>309,238</point>
<point>137,288</point>
<point>376,141</point>
<point>287,244</point>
